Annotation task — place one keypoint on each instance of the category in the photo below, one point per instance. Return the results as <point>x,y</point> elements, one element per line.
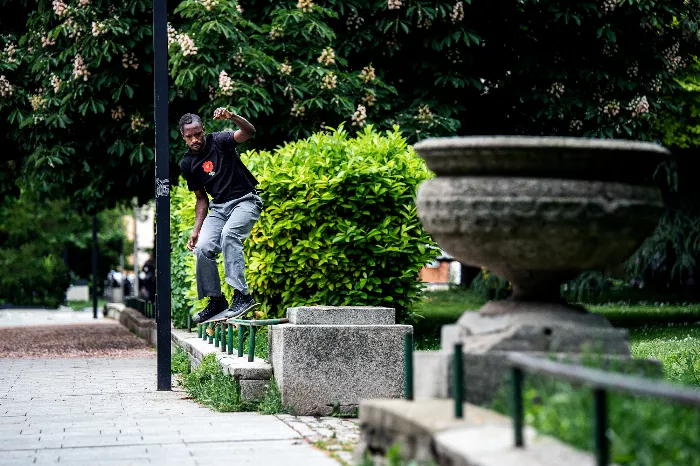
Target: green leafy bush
<point>339,227</point>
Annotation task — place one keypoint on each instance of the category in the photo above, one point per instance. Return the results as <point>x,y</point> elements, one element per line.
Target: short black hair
<point>189,118</point>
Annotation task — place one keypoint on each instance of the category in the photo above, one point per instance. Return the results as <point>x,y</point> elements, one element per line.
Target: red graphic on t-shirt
<point>207,166</point>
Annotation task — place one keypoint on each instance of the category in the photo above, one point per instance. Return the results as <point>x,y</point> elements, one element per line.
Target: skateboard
<point>220,319</point>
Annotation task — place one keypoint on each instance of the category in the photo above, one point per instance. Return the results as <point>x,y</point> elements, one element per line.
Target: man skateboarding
<point>212,167</point>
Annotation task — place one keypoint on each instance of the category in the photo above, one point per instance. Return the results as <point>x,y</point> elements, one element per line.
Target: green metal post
<point>211,337</point>
<point>408,365</point>
<point>251,343</point>
<point>241,336</point>
<point>600,427</point>
<point>458,380</point>
<point>199,330</point>
<point>516,379</point>
<point>189,322</point>
<point>223,337</point>
<point>230,338</point>
<point>216,335</point>
<point>204,332</point>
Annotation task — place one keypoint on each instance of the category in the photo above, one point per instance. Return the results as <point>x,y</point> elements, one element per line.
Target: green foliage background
<point>339,227</point>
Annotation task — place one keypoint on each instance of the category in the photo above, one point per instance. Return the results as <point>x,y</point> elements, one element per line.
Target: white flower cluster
<point>112,9</point>
<point>9,53</point>
<point>172,35</point>
<point>45,41</point>
<point>276,32</point>
<point>639,106</point>
<point>633,70</point>
<point>84,3</point>
<point>118,113</point>
<point>187,45</point>
<point>73,29</point>
<point>329,81</point>
<point>354,21</point>
<point>238,58</point>
<point>656,84</point>
<point>611,108</point>
<point>37,101</point>
<point>610,5</point>
<point>424,22</point>
<point>394,4</point>
<point>59,8</point>
<point>306,6</point>
<point>212,92</point>
<point>259,80</point>
<point>673,60</point>
<point>457,14</point>
<point>80,68</point>
<point>98,28</point>
<point>55,83</point>
<point>225,83</point>
<point>129,60</point>
<point>6,89</point>
<point>425,116</point>
<point>285,69</point>
<point>137,123</point>
<point>557,90</point>
<point>288,90</point>
<point>369,99</point>
<point>209,4</point>
<point>454,56</point>
<point>298,110</point>
<point>239,8</point>
<point>367,74</point>
<point>609,49</point>
<point>327,56</point>
<point>575,125</point>
<point>360,115</point>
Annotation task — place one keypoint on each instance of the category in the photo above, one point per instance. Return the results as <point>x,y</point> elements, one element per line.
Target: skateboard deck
<point>220,316</point>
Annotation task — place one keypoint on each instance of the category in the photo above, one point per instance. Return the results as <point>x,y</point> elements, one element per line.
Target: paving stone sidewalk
<point>105,410</point>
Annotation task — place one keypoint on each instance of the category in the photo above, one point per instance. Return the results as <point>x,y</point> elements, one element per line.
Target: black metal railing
<point>143,306</point>
<point>599,381</point>
<point>220,334</point>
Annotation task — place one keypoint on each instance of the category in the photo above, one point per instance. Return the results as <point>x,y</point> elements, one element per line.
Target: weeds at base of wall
<point>211,386</point>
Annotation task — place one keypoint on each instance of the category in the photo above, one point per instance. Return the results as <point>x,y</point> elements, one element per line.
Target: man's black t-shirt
<point>218,169</point>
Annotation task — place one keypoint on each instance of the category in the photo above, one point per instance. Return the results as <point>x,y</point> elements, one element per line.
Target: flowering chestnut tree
<point>76,82</point>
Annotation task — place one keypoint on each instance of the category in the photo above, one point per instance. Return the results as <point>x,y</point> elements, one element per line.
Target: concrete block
<point>341,315</point>
<point>428,432</point>
<point>253,390</point>
<point>319,367</point>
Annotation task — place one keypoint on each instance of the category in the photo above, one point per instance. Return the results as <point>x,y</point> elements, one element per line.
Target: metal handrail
<point>600,382</point>
<point>599,379</point>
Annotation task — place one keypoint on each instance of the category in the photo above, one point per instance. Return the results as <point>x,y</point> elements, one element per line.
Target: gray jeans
<point>224,229</point>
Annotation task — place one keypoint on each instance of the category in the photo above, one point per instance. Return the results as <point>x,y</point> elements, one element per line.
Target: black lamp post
<point>162,194</point>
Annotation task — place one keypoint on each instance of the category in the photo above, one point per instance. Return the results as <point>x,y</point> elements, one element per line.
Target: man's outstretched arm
<point>200,210</point>
<point>246,130</point>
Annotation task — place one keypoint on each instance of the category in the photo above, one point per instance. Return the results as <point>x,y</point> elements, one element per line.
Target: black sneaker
<point>217,305</point>
<point>241,305</point>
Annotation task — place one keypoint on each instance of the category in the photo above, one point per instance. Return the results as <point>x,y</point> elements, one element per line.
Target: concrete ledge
<point>341,315</point>
<point>132,319</point>
<point>253,376</point>
<point>428,431</point>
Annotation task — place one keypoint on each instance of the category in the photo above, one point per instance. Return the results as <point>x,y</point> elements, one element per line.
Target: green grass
<point>214,388</point>
<point>80,305</point>
<point>643,431</point>
<point>677,346</point>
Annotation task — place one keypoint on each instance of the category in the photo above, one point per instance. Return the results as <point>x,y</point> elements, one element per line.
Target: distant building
<point>443,272</point>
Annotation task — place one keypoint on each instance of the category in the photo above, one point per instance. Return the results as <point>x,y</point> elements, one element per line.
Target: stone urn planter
<point>537,211</point>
